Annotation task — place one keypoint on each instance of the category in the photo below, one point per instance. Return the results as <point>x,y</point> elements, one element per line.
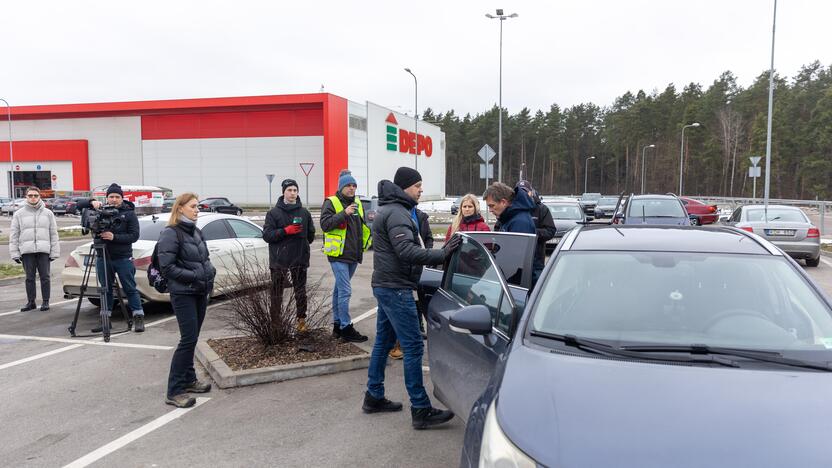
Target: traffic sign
<point>755,171</point>
<point>270,177</point>
<point>755,160</point>
<point>490,174</point>
<point>306,168</point>
<point>486,153</point>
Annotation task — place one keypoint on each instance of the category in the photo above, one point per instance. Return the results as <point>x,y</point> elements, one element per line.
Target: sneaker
<point>198,387</point>
<point>396,352</point>
<point>181,401</point>
<point>138,323</point>
<point>350,334</point>
<point>425,417</point>
<point>28,307</point>
<point>302,328</point>
<point>336,330</point>
<point>44,306</point>
<point>97,329</point>
<point>379,405</point>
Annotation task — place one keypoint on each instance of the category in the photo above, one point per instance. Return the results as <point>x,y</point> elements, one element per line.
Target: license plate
<point>780,232</point>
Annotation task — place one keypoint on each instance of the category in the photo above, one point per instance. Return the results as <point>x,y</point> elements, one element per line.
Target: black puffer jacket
<point>288,251</point>
<point>123,236</point>
<point>398,256</point>
<point>544,226</point>
<point>186,266</point>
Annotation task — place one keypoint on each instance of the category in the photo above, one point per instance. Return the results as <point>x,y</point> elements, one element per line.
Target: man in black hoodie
<point>544,226</point>
<point>397,264</point>
<point>289,231</point>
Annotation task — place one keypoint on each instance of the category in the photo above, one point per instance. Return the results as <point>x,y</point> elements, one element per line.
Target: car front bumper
<point>72,277</point>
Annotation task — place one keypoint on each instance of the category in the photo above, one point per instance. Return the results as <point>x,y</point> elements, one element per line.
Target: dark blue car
<point>640,346</point>
<point>653,209</point>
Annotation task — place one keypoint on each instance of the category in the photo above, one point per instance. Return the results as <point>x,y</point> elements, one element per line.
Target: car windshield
<point>608,201</point>
<point>656,208</point>
<point>591,196</point>
<point>149,229</point>
<point>566,212</point>
<point>674,298</point>
<point>777,214</point>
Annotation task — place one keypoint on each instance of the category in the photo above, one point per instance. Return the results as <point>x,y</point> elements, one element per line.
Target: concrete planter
<point>227,378</point>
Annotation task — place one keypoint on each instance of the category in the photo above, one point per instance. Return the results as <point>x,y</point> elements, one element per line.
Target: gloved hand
<point>17,260</point>
<point>452,245</point>
<point>293,229</point>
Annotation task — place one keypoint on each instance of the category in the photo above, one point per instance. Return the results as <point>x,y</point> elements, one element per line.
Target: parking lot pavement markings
<point>89,342</point>
<point>51,305</point>
<point>826,262</point>
<point>126,439</point>
<point>367,314</point>
<point>38,356</point>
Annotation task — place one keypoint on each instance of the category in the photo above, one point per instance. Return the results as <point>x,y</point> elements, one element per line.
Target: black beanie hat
<point>115,188</point>
<point>405,177</point>
<point>288,183</point>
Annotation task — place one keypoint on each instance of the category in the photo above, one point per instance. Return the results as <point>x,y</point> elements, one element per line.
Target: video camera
<point>101,220</point>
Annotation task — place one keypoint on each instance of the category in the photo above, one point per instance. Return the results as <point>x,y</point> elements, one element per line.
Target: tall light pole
<point>415,118</point>
<point>11,154</point>
<point>586,171</point>
<point>642,165</point>
<point>770,105</point>
<point>682,156</point>
<point>500,16</point>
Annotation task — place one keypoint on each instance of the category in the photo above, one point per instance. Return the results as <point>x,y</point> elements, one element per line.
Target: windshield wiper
<point>597,347</point>
<point>755,355</point>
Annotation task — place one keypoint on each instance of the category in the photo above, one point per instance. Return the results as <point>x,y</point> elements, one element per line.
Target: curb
<point>227,378</point>
<point>12,280</point>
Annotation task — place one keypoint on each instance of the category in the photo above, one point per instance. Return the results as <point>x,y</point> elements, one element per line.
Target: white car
<point>231,240</point>
<point>10,207</point>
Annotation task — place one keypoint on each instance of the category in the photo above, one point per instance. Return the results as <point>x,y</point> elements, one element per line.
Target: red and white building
<point>219,146</point>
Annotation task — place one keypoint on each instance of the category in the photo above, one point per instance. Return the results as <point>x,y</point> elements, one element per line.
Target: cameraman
<point>119,243</point>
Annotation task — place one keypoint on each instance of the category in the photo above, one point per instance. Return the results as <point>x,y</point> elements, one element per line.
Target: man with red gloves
<point>289,231</point>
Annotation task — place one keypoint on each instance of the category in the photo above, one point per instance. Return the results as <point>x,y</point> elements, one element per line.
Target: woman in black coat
<point>184,263</point>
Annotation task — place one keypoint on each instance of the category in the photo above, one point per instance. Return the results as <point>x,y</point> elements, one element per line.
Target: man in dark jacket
<point>346,236</point>
<point>397,264</point>
<point>544,226</point>
<point>119,245</point>
<point>289,231</point>
<point>513,208</point>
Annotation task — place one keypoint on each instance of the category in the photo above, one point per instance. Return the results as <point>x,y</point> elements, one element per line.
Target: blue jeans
<point>190,313</point>
<point>126,277</point>
<point>343,291</point>
<point>397,317</point>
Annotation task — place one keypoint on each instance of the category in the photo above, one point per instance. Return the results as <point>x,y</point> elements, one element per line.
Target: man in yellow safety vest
<point>346,237</point>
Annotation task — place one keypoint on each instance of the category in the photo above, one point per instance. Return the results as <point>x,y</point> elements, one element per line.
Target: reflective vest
<point>334,239</point>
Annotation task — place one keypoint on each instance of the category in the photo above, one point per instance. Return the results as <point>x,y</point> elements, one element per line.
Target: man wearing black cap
<point>289,231</point>
<point>119,242</point>
<point>397,264</point>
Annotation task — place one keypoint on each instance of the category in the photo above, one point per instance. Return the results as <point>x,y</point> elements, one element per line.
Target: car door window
<point>512,252</point>
<point>216,230</point>
<point>245,230</point>
<point>473,279</point>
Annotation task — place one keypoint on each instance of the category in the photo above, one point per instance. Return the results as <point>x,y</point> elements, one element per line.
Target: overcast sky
<point>556,51</point>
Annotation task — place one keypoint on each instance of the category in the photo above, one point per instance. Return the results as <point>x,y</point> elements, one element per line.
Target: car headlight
<point>496,449</point>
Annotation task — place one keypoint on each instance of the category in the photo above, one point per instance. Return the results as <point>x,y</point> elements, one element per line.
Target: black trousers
<point>280,281</point>
<point>36,262</point>
<point>190,313</point>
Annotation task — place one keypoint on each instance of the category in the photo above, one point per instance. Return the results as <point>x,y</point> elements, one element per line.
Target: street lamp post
<point>586,171</point>
<point>768,124</point>
<point>11,154</point>
<point>642,165</point>
<point>682,156</point>
<point>500,16</point>
<point>415,118</point>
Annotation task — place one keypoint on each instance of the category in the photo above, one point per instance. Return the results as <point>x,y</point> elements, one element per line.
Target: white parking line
<point>367,314</point>
<point>89,342</point>
<point>38,356</point>
<point>126,439</point>
<point>826,262</point>
<point>37,310</point>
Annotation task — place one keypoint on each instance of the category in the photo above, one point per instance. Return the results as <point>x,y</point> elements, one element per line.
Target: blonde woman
<point>468,218</point>
<point>184,263</point>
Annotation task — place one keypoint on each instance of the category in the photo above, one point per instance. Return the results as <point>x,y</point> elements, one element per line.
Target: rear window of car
<point>565,212</point>
<point>150,229</point>
<point>657,208</point>
<point>777,214</point>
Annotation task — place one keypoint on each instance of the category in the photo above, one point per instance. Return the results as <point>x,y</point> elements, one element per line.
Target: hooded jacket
<point>353,247</point>
<point>186,265</point>
<point>469,223</point>
<point>125,234</point>
<point>398,256</point>
<point>545,228</point>
<point>34,230</point>
<point>288,251</point>
<point>517,217</point>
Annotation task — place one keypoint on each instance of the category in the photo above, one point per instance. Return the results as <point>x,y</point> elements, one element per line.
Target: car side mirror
<point>590,218</point>
<point>471,320</point>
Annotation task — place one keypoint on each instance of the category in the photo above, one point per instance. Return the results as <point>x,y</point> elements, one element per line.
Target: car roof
<point>777,207</point>
<point>654,197</point>
<point>561,202</point>
<point>653,238</point>
<point>203,217</point>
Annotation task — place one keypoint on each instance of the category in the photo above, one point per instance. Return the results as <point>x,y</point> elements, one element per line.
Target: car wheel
<point>694,222</point>
<point>239,212</point>
<point>812,262</point>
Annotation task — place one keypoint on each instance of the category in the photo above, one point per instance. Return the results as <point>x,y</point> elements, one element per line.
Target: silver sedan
<point>787,227</point>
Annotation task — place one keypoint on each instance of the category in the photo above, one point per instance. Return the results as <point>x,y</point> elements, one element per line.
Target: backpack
<point>154,271</point>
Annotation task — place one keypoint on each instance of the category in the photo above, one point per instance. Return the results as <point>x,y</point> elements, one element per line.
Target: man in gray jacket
<point>34,242</point>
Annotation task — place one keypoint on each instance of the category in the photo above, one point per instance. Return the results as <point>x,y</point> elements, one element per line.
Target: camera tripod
<point>98,249</point>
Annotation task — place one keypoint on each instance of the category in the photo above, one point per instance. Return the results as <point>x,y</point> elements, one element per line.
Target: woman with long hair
<point>184,263</point>
<point>468,218</point>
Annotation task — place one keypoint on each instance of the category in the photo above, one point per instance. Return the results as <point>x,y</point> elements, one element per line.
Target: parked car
<point>455,206</point>
<point>605,208</point>
<point>370,206</point>
<point>787,227</point>
<point>58,205</point>
<point>230,239</point>
<point>653,209</point>
<point>588,202</point>
<point>10,207</point>
<point>219,205</point>
<point>632,334</point>
<point>167,204</point>
<point>566,215</point>
<point>700,213</point>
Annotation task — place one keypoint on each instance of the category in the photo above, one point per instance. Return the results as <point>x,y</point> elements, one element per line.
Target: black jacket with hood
<point>544,226</point>
<point>186,264</point>
<point>288,251</point>
<point>398,256</point>
<point>353,248</point>
<point>125,234</point>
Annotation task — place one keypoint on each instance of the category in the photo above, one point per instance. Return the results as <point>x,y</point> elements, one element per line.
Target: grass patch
<point>64,234</point>
<point>4,238</point>
<point>8,270</point>
<point>826,247</point>
<point>439,230</point>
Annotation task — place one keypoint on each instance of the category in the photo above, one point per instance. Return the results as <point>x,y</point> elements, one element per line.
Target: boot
<point>181,401</point>
<point>336,330</point>
<point>198,387</point>
<point>379,405</point>
<point>350,334</point>
<point>302,328</point>
<point>44,306</point>
<point>396,352</point>
<point>29,306</point>
<point>138,323</point>
<point>426,417</point>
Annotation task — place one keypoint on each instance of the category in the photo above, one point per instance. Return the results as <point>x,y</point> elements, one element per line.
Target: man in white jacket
<point>34,242</point>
